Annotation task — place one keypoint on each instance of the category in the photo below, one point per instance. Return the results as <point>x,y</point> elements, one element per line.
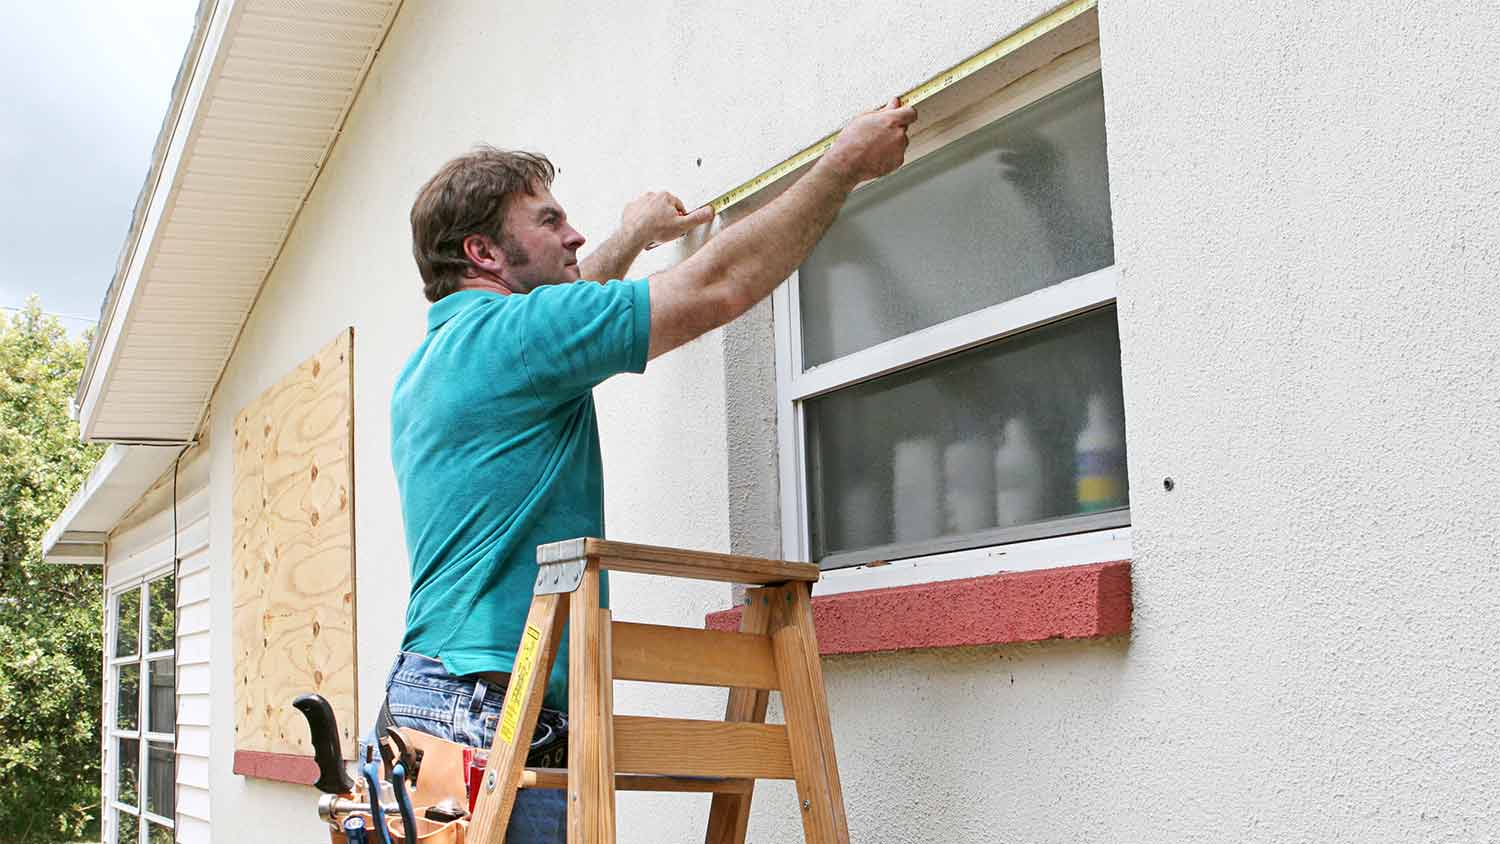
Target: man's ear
<point>485,258</point>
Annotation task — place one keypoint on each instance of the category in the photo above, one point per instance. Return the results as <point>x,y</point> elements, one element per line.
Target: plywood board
<point>293,554</point>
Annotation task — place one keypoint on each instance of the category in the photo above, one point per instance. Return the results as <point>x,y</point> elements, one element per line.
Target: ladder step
<point>689,748</point>
<point>691,656</point>
<point>558,778</point>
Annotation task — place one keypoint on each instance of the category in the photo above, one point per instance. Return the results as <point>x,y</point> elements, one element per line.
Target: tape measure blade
<point>933,86</point>
<point>773,174</point>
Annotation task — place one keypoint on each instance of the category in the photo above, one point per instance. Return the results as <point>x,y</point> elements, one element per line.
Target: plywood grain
<point>293,554</point>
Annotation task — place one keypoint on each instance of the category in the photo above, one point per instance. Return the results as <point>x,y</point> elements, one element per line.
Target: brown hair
<point>469,195</point>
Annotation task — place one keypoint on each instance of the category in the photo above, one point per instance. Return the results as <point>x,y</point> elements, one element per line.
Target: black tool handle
<point>332,778</point>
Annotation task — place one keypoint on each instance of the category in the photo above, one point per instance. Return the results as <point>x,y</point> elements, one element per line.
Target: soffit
<point>254,118</point>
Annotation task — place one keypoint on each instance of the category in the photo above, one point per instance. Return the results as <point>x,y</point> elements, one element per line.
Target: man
<point>493,433</point>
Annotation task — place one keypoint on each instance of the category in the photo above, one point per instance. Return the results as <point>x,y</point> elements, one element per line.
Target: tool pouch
<point>445,767</point>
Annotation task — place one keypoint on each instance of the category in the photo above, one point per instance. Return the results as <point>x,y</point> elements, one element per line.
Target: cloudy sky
<point>86,84</point>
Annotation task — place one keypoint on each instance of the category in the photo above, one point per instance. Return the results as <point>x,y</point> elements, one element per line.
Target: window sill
<point>277,767</point>
<point>1074,602</point>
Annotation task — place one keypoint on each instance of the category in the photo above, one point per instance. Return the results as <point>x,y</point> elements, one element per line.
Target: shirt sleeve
<point>577,335</point>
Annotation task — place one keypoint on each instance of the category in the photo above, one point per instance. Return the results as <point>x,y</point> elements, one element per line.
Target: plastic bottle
<point>862,518</point>
<point>968,485</point>
<point>1018,475</point>
<point>917,475</point>
<point>1100,459</point>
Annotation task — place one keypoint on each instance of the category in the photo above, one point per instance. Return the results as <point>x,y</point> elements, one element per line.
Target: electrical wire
<point>51,314</point>
<point>176,618</point>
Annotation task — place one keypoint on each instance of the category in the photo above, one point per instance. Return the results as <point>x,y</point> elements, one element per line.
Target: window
<point>141,735</point>
<point>948,356</point>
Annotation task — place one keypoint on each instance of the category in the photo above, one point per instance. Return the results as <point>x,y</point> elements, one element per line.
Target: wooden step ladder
<point>775,649</point>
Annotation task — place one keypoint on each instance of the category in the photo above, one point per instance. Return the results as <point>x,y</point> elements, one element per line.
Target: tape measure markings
<point>946,79</point>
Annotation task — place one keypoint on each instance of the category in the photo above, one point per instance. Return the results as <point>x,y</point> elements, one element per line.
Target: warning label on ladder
<point>520,681</point>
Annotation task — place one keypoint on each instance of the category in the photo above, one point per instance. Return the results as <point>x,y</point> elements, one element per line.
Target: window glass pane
<point>127,622</point>
<point>161,698</point>
<point>159,834</point>
<point>127,764</point>
<point>128,828</point>
<point>162,608</point>
<point>161,796</point>
<point>128,696</point>
<point>1011,208</point>
<point>1022,430</point>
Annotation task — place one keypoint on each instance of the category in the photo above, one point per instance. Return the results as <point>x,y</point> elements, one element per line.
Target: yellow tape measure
<point>953,75</point>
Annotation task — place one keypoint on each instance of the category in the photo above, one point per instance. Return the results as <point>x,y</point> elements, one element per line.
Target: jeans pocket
<point>425,709</point>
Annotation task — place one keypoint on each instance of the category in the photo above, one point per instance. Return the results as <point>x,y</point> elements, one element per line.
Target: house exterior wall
<point>1301,198</point>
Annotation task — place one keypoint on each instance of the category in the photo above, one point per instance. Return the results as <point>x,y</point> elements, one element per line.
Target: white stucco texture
<point>1303,208</point>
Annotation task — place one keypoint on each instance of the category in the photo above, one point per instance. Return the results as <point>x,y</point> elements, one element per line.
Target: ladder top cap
<point>676,562</point>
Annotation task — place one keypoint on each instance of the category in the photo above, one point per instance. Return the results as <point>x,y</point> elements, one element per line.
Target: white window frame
<point>144,738</point>
<point>1102,537</point>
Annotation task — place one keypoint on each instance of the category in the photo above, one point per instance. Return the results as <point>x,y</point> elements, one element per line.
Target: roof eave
<point>80,534</point>
<point>109,310</point>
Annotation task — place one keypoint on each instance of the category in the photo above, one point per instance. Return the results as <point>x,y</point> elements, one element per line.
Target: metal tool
<point>403,802</point>
<point>445,810</point>
<point>333,807</point>
<point>371,773</point>
<point>332,778</point>
<point>411,759</point>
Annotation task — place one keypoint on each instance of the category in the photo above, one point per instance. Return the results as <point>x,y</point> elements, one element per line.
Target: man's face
<point>539,245</point>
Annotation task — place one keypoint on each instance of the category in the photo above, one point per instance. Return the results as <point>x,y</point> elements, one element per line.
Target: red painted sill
<point>1076,602</point>
<point>281,767</point>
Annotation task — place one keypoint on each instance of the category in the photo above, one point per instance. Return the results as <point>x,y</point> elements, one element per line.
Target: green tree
<point>51,616</point>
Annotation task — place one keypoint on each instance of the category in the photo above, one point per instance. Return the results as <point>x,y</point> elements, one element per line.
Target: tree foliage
<point>51,616</point>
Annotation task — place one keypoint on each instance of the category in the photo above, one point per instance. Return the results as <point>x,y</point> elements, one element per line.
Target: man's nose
<point>572,239</point>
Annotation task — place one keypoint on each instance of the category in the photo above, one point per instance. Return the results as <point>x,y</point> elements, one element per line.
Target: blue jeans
<point>423,696</point>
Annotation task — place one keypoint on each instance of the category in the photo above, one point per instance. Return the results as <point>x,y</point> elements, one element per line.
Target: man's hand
<point>658,217</point>
<point>874,143</point>
<point>651,219</point>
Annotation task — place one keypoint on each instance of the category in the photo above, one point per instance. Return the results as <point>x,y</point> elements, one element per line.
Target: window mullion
<point>143,775</point>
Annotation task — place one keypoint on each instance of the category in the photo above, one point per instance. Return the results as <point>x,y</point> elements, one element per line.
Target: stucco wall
<point>1302,204</point>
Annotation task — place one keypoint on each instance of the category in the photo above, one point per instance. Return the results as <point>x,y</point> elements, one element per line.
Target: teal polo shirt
<point>496,451</point>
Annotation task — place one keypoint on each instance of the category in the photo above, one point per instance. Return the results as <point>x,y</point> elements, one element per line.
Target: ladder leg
<point>809,731</point>
<point>729,814</point>
<point>523,702</point>
<point>591,775</point>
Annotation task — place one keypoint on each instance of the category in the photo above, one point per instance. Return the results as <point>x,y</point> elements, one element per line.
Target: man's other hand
<point>874,143</point>
<point>658,217</point>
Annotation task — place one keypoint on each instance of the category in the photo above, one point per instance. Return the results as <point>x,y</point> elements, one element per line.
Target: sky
<point>86,84</point>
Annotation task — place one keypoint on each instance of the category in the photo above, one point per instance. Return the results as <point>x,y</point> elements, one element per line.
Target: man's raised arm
<point>745,262</point>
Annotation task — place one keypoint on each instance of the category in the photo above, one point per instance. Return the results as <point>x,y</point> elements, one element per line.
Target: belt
<point>493,679</point>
